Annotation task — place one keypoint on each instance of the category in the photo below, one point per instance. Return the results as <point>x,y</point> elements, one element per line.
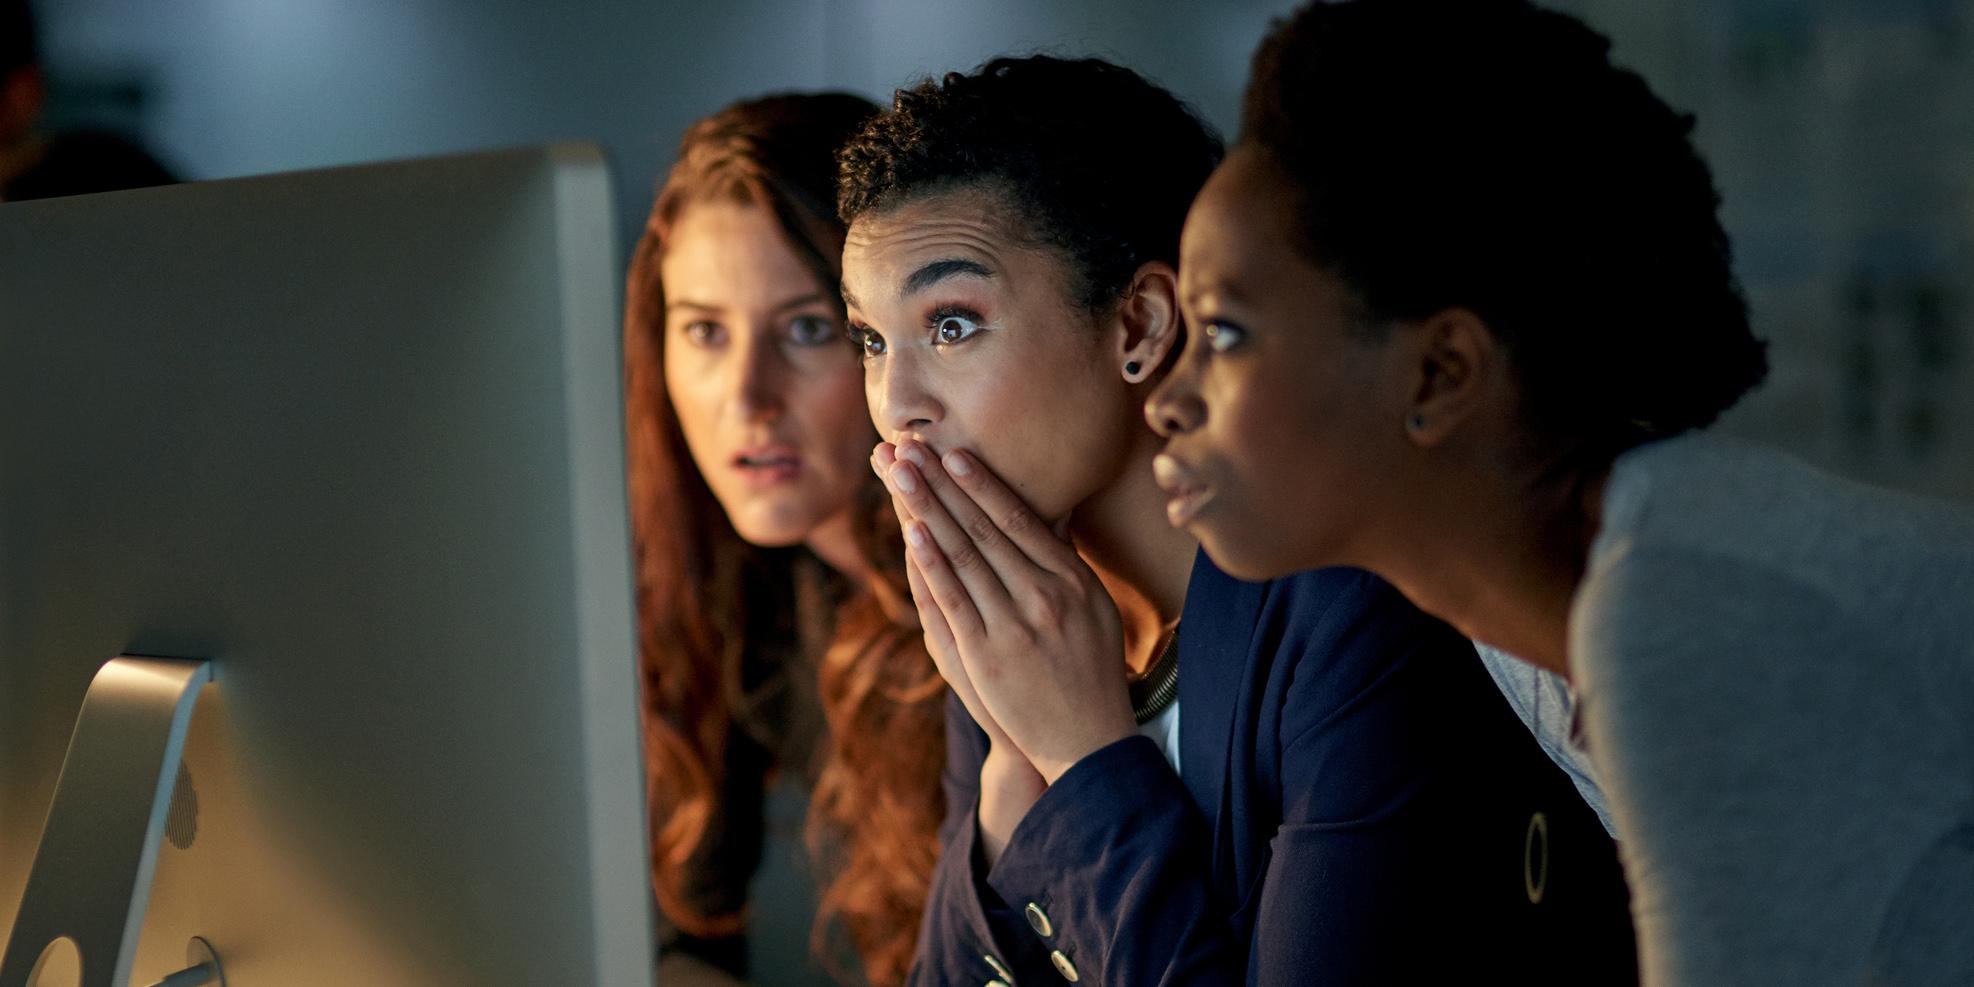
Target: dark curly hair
<point>1097,162</point>
<point>1487,155</point>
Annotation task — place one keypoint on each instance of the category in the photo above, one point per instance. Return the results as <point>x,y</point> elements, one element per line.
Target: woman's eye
<point>813,330</point>
<point>868,341</point>
<point>703,333</point>
<point>949,328</point>
<point>1223,336</point>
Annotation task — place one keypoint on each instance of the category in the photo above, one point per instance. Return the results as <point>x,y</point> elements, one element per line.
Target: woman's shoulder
<point>1705,495</point>
<point>1334,593</point>
<point>1708,543</point>
<point>1331,631</point>
<point>1343,608</point>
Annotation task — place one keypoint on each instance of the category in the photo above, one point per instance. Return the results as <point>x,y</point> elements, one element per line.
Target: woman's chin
<point>1251,559</point>
<point>772,524</point>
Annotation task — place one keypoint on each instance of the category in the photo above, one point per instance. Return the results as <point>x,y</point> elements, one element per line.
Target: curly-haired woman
<point>1158,774</point>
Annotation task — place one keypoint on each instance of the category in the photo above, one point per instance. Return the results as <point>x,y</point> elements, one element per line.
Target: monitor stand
<point>91,877</point>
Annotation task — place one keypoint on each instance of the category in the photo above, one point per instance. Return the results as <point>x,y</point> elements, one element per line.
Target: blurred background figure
<point>36,164</point>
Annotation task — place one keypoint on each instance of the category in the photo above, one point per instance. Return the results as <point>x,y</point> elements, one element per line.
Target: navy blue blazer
<point>1356,804</point>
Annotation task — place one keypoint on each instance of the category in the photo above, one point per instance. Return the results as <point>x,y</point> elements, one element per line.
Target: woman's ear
<point>1148,324</point>
<point>1454,356</point>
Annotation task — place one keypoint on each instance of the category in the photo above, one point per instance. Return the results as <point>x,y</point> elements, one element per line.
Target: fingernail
<point>956,464</point>
<point>902,477</point>
<point>914,452</point>
<point>915,535</point>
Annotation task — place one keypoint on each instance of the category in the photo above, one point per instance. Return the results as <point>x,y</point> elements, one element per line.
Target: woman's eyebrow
<point>928,275</point>
<point>809,298</point>
<point>939,270</point>
<point>812,298</point>
<point>1194,293</point>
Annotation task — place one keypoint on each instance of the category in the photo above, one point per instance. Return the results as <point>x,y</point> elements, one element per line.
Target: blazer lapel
<point>1216,636</point>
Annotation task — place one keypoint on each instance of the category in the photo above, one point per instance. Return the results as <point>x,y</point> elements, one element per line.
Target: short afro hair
<point>1095,160</point>
<point>1486,154</point>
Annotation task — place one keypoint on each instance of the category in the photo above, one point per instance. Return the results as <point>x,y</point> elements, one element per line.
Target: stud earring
<point>1133,371</point>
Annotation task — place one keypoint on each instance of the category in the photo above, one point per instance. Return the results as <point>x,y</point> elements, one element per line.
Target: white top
<point>1547,707</point>
<point>1163,729</point>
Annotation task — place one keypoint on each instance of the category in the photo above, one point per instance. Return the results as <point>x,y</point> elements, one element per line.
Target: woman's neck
<point>1143,562</point>
<point>835,543</point>
<point>1500,557</point>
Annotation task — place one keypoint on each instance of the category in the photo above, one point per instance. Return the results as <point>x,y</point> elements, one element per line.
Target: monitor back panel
<point>354,436</point>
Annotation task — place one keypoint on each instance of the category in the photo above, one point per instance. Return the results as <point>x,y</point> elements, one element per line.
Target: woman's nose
<point>899,400</point>
<point>757,381</point>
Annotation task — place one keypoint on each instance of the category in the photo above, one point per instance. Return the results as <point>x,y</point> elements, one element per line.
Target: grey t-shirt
<point>1775,672</point>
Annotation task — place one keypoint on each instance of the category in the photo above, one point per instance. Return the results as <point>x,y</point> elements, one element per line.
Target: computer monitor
<point>352,438</point>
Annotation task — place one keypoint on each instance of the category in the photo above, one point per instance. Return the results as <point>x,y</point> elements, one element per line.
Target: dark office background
<point>1841,131</point>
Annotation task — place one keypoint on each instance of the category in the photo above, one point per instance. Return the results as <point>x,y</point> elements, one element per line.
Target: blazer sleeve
<point>968,935</point>
<point>1116,857</point>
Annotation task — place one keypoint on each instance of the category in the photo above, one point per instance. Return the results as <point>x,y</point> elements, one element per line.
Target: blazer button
<point>1000,969</point>
<point>1039,921</point>
<point>1535,858</point>
<point>1064,966</point>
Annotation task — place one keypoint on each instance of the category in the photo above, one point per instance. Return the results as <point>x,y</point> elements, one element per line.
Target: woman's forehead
<point>904,250</point>
<point>972,216</point>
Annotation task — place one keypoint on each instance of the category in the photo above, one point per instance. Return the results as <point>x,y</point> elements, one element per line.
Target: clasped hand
<point>1019,625</point>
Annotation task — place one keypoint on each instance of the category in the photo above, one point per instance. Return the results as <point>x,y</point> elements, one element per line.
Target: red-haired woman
<point>778,643</point>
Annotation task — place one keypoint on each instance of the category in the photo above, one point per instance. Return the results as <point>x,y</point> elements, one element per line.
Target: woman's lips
<point>1186,495</point>
<point>767,464</point>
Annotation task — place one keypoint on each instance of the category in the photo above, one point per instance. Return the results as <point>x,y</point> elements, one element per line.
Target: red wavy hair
<point>876,807</point>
